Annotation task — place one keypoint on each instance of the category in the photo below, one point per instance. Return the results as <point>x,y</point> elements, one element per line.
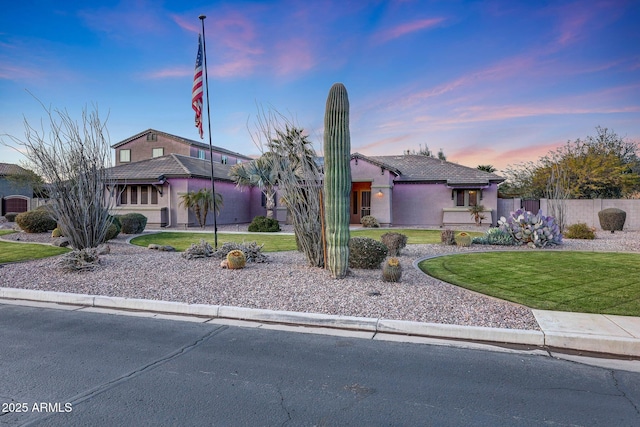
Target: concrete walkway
<point>560,331</point>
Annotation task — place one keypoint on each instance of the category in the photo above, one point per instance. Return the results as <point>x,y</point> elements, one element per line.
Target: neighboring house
<point>418,190</point>
<point>153,188</point>
<point>15,195</point>
<point>152,143</point>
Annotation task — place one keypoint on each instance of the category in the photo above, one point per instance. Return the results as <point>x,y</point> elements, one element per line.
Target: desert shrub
<point>11,216</point>
<point>262,224</point>
<point>448,237</point>
<point>394,242</point>
<point>198,250</point>
<point>132,223</point>
<point>369,221</point>
<point>533,230</point>
<point>612,219</point>
<point>365,252</point>
<point>579,231</point>
<point>495,236</point>
<point>36,221</point>
<point>252,251</point>
<point>79,260</point>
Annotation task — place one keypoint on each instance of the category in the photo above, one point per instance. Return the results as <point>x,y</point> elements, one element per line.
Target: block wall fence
<point>583,210</point>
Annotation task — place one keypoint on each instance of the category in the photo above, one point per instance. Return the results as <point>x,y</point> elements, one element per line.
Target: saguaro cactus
<point>337,179</point>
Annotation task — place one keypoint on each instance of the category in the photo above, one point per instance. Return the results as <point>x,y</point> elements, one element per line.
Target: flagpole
<point>213,185</point>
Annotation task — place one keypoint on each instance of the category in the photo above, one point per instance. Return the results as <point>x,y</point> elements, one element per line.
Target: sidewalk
<point>563,331</point>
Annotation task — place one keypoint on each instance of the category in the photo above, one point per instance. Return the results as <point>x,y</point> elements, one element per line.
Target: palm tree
<point>260,173</point>
<point>486,168</point>
<point>201,202</point>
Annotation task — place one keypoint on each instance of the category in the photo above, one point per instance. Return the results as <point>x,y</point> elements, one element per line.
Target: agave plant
<point>533,230</point>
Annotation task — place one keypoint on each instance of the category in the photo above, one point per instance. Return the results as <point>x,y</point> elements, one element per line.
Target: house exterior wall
<point>141,149</point>
<point>10,189</point>
<point>237,205</point>
<point>217,156</point>
<point>420,204</point>
<point>381,181</point>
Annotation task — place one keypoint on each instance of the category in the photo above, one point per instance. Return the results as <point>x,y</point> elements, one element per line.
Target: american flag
<point>196,92</point>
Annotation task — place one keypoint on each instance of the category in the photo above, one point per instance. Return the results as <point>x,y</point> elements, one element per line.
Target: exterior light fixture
<point>379,194</point>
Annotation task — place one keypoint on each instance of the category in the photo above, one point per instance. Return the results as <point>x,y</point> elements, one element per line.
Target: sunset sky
<point>489,82</point>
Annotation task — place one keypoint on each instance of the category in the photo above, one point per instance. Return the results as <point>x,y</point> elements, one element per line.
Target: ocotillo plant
<point>337,179</point>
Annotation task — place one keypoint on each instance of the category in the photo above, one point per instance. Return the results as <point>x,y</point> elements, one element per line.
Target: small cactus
<point>463,239</point>
<point>392,270</point>
<point>236,259</point>
<point>56,232</point>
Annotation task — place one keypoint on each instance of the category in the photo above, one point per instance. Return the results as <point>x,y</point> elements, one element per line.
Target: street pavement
<point>68,365</point>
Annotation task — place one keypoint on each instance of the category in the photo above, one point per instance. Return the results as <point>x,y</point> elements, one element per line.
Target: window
<point>134,194</point>
<point>157,152</point>
<point>122,193</point>
<point>238,161</point>
<point>125,156</point>
<point>201,154</point>
<point>467,197</point>
<point>223,160</point>
<point>152,137</point>
<point>144,195</point>
<point>154,196</point>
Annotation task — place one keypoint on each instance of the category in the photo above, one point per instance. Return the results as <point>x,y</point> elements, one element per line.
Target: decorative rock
<point>153,246</point>
<point>62,242</point>
<point>224,264</point>
<point>167,248</point>
<point>104,249</point>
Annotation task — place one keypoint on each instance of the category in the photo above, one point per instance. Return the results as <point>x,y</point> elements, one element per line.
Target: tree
<point>487,168</point>
<point>259,173</point>
<point>605,166</point>
<point>426,152</point>
<point>73,159</point>
<point>201,202</point>
<point>298,178</point>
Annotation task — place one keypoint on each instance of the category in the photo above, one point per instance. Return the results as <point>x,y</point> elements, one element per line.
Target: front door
<point>360,201</point>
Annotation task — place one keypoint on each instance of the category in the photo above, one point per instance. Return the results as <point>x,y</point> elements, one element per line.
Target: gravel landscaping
<point>286,283</point>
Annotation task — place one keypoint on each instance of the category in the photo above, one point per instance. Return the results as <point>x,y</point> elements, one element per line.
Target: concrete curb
<point>620,346</point>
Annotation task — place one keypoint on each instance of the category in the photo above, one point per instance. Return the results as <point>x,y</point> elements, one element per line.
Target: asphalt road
<point>70,368</point>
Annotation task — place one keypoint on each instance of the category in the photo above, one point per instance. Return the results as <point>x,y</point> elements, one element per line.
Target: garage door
<point>14,204</point>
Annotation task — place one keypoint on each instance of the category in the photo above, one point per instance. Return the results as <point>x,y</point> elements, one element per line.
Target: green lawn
<point>274,242</point>
<point>587,282</point>
<point>12,252</point>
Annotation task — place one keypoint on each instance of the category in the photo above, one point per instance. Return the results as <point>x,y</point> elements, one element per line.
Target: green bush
<point>114,228</point>
<point>579,231</point>
<point>365,252</point>
<point>495,236</point>
<point>394,242</point>
<point>36,221</point>
<point>369,221</point>
<point>612,219</point>
<point>262,224</point>
<point>132,223</point>
<point>11,216</point>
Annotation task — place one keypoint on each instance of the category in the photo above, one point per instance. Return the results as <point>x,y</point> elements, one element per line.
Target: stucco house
<point>153,169</point>
<point>417,190</point>
<point>15,195</point>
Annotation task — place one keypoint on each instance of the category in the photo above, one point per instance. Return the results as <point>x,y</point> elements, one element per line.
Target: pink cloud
<point>293,56</point>
<point>18,73</point>
<point>407,28</point>
<point>169,73</point>
<point>381,143</point>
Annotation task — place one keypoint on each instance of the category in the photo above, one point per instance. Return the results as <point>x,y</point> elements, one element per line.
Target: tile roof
<point>183,140</point>
<point>11,169</point>
<point>173,165</point>
<point>420,168</point>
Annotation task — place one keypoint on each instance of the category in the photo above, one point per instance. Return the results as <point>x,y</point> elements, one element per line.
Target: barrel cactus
<point>56,232</point>
<point>337,180</point>
<point>392,270</point>
<point>236,259</point>
<point>463,239</point>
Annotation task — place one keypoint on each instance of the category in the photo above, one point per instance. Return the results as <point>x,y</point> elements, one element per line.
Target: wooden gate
<point>532,206</point>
